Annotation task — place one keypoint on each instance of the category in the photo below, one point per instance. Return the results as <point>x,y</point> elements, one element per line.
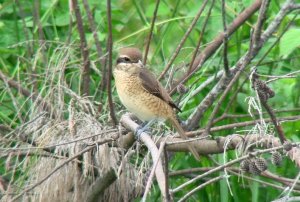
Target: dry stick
<point>110,46</point>
<point>146,139</point>
<point>256,37</point>
<point>60,166</point>
<point>201,35</point>
<point>95,35</point>
<point>235,170</point>
<point>241,124</point>
<point>289,75</point>
<point>277,125</point>
<point>34,97</point>
<point>261,182</point>
<point>151,32</point>
<point>95,191</point>
<point>240,66</point>
<point>190,193</point>
<point>217,42</point>
<point>84,51</point>
<point>52,147</point>
<point>232,116</point>
<point>293,185</point>
<point>166,163</point>
<point>101,64</point>
<point>173,57</point>
<point>150,178</point>
<point>224,166</point>
<point>225,40</point>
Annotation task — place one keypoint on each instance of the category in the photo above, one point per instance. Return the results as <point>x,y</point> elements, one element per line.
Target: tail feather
<point>183,136</point>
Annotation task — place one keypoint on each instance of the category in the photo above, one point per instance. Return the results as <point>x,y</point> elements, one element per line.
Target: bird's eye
<point>126,59</point>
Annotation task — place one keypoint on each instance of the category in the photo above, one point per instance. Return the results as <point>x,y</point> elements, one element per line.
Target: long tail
<point>181,132</point>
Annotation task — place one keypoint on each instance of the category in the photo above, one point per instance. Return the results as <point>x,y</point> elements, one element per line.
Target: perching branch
<point>146,139</point>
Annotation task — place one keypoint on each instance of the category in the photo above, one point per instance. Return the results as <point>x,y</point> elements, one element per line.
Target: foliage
<point>40,41</point>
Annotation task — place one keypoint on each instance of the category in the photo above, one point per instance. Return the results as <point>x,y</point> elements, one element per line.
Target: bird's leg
<point>143,127</point>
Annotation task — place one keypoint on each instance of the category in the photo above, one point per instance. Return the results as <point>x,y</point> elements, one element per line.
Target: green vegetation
<point>42,72</point>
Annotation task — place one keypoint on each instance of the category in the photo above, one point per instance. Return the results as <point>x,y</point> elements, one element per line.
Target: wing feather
<point>151,85</point>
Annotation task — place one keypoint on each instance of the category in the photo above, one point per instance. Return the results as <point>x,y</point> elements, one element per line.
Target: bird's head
<point>129,60</point>
<point>130,56</point>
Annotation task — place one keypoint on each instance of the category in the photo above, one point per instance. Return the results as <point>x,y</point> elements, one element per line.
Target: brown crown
<point>133,53</point>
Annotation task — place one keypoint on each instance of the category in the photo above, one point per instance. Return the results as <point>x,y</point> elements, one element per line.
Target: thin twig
<point>256,37</point>
<point>84,51</point>
<point>217,42</point>
<point>239,67</point>
<point>151,31</point>
<point>225,40</point>
<point>187,33</point>
<point>110,46</point>
<point>52,147</point>
<point>187,141</point>
<point>221,167</point>
<point>241,124</point>
<point>101,61</point>
<point>276,123</point>
<point>190,193</point>
<point>200,37</point>
<point>253,45</point>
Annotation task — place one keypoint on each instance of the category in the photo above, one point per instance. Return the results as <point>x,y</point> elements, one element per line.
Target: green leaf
<point>289,42</point>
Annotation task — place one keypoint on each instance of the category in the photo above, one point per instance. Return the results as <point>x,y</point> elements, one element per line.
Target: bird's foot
<point>144,127</point>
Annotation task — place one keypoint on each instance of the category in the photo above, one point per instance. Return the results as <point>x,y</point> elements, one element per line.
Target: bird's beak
<point>141,63</point>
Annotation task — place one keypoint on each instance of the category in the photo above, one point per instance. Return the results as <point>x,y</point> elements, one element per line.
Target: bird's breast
<point>137,100</point>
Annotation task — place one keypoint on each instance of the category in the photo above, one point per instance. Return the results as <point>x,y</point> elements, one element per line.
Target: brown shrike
<point>142,94</point>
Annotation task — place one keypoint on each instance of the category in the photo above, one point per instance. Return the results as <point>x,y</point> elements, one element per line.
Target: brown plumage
<point>142,94</point>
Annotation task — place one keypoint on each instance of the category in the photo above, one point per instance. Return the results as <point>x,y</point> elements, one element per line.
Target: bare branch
<point>227,82</point>
<point>110,46</point>
<point>146,139</point>
<point>225,57</point>
<point>217,42</point>
<point>84,51</point>
<point>151,31</point>
<point>187,33</point>
<point>201,35</point>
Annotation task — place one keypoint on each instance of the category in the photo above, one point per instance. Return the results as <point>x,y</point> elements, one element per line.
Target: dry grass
<point>76,119</point>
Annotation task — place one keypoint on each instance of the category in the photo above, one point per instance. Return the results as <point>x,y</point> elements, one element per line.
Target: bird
<point>142,94</point>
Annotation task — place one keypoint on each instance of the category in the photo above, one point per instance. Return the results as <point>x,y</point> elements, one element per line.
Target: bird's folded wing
<point>150,84</point>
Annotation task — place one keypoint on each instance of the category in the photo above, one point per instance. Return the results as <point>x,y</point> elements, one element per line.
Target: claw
<point>144,127</point>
